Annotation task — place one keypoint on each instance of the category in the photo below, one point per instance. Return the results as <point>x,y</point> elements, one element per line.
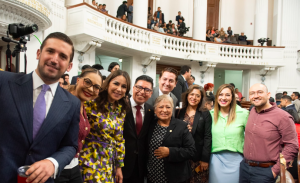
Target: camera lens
<point>28,29</point>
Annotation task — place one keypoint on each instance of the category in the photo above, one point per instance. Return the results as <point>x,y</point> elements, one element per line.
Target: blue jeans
<point>251,174</point>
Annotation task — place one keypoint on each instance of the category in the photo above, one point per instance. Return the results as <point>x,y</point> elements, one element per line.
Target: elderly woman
<point>171,145</point>
<point>200,122</point>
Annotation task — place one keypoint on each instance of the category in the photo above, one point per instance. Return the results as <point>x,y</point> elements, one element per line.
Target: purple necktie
<point>39,110</point>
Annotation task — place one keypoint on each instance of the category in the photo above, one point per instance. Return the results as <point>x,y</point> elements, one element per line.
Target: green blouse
<point>230,137</point>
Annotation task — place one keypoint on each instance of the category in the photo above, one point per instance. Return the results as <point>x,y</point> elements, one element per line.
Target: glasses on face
<point>258,93</point>
<point>140,88</point>
<point>88,83</point>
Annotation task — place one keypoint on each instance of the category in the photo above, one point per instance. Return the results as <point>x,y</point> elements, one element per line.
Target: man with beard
<point>296,101</point>
<point>268,130</point>
<point>38,119</point>
<point>166,83</point>
<point>136,127</point>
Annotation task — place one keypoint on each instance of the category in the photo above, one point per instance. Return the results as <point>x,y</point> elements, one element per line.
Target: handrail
<point>170,35</point>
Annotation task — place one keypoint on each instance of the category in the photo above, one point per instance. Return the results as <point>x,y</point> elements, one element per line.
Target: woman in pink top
<point>86,89</point>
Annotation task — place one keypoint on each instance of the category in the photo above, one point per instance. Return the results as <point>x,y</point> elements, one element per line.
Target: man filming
<point>181,27</point>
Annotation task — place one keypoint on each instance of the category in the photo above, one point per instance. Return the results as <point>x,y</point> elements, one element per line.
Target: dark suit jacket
<point>155,94</point>
<point>182,148</point>
<point>136,145</point>
<point>74,80</point>
<point>57,137</point>
<point>290,107</point>
<point>177,19</point>
<point>180,88</point>
<point>201,132</point>
<point>121,10</point>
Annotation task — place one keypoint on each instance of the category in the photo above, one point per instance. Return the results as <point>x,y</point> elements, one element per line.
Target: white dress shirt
<point>49,95</point>
<point>133,104</point>
<point>161,93</point>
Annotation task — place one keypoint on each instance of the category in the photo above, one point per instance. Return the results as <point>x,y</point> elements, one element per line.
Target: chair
<point>243,42</point>
<point>245,104</point>
<point>233,40</point>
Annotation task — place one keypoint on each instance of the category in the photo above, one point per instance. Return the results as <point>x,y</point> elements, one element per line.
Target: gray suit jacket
<point>297,106</point>
<point>155,94</point>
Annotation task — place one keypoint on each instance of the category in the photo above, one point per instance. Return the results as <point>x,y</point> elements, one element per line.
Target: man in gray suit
<point>167,83</point>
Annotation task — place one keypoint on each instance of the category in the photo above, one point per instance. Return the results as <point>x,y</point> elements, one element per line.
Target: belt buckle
<point>253,163</point>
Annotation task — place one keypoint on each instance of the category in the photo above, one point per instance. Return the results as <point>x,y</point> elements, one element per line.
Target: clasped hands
<point>162,152</point>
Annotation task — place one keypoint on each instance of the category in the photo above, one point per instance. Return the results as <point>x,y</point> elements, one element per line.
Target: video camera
<point>20,36</point>
<point>183,31</point>
<point>263,40</point>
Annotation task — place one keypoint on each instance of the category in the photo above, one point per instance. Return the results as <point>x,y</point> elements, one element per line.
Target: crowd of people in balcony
<point>221,36</point>
<point>100,7</point>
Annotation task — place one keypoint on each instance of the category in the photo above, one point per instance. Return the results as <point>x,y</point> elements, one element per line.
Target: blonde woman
<point>228,127</point>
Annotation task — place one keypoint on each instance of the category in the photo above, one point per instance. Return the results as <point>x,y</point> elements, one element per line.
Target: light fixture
<point>263,76</point>
<point>120,60</point>
<point>146,62</point>
<point>203,72</point>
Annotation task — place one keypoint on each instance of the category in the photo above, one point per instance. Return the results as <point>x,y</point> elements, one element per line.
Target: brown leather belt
<point>259,164</point>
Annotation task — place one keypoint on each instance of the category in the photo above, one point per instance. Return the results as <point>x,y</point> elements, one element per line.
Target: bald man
<point>267,127</point>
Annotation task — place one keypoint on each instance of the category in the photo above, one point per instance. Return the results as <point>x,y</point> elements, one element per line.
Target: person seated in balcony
<point>149,24</point>
<point>169,25</point>
<point>122,9</point>
<point>229,32</point>
<point>150,17</point>
<point>156,27</point>
<point>243,37</point>
<point>178,17</point>
<point>216,33</point>
<point>104,8</point>
<point>173,30</point>
<point>153,21</point>
<point>100,7</point>
<point>124,18</point>
<point>213,31</point>
<point>94,4</point>
<point>161,29</point>
<point>165,27</point>
<point>226,39</point>
<point>208,35</point>
<point>159,15</point>
<point>222,32</point>
<point>181,25</point>
<point>217,39</point>
<point>160,23</point>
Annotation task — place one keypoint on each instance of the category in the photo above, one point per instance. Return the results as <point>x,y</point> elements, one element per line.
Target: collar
<point>274,106</point>
<point>161,93</point>
<point>133,104</point>
<point>289,105</point>
<point>37,82</point>
<point>183,77</point>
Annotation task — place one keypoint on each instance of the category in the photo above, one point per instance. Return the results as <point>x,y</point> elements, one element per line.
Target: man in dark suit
<point>122,9</point>
<point>136,127</point>
<point>167,82</point>
<point>74,78</point>
<point>182,84</point>
<point>39,121</point>
<point>178,17</point>
<point>286,103</point>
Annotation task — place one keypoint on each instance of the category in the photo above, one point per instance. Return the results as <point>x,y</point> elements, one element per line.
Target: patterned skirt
<point>201,177</point>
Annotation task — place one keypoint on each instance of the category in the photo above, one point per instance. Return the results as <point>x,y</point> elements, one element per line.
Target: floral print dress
<point>103,149</point>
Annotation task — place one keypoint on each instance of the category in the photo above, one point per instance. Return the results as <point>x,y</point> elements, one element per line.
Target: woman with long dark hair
<point>228,127</point>
<point>199,122</point>
<point>87,88</point>
<point>103,151</point>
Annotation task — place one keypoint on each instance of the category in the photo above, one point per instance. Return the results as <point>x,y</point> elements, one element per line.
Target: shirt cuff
<point>55,163</point>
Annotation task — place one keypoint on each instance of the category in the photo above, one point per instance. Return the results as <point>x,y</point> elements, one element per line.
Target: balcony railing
<point>85,21</point>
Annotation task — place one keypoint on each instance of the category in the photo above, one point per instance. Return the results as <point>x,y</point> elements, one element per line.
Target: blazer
<point>121,10</point>
<point>136,145</point>
<point>201,132</point>
<point>182,148</point>
<point>161,16</point>
<point>180,88</point>
<point>74,80</point>
<point>155,94</point>
<point>290,107</point>
<point>57,137</point>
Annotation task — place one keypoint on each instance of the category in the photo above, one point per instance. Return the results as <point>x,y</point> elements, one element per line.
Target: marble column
<point>140,12</point>
<point>260,21</point>
<point>199,24</point>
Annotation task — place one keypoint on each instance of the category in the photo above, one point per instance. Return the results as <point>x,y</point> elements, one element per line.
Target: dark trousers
<point>250,174</point>
<point>135,177</point>
<point>70,176</point>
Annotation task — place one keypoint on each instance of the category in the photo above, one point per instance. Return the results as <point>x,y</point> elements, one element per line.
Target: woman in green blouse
<point>228,127</point>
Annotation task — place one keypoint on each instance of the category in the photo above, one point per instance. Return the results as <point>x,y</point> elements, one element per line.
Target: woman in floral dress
<point>102,155</point>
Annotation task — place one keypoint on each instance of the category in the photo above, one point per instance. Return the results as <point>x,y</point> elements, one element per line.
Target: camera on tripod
<point>183,31</point>
<point>263,40</point>
<point>20,36</point>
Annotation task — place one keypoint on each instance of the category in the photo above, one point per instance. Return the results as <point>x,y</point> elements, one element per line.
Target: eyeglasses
<point>140,88</point>
<point>88,83</point>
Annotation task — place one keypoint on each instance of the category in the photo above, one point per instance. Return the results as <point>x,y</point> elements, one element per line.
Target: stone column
<point>260,21</point>
<point>199,24</point>
<point>140,12</point>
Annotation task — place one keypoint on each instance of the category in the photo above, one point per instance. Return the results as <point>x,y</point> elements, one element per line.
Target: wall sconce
<point>263,76</point>
<point>203,72</point>
<point>146,62</point>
